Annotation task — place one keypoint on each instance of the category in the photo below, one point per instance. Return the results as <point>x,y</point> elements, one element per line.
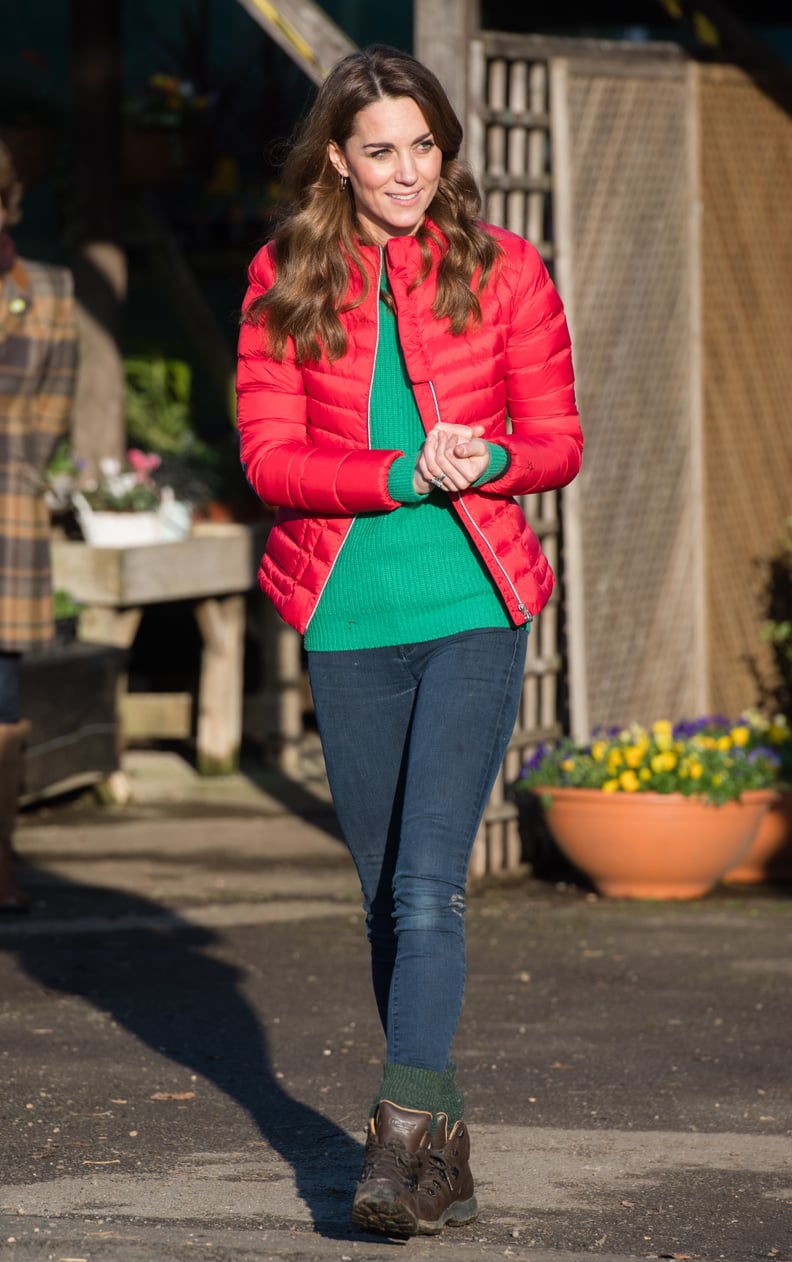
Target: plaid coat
<point>38,364</point>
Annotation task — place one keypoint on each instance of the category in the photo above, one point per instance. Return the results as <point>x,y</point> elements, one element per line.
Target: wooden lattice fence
<point>745,193</point>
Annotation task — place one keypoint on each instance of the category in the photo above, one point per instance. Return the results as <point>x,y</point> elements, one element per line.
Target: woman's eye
<point>380,153</point>
<point>426,146</point>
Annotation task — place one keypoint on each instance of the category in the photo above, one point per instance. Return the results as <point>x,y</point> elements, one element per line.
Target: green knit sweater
<point>412,574</point>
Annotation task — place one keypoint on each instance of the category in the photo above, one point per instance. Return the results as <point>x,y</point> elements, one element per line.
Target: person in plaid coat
<point>38,364</point>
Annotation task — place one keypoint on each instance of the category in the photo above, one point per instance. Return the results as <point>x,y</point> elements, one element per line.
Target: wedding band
<point>438,482</point>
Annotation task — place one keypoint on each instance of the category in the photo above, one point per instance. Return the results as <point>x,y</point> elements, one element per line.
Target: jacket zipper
<point>368,435</point>
<point>474,526</point>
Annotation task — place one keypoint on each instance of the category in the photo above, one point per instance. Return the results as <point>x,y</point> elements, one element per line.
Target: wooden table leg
<point>222,624</point>
<point>281,699</point>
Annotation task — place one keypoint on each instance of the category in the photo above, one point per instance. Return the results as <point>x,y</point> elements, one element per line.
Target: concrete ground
<point>189,1048</point>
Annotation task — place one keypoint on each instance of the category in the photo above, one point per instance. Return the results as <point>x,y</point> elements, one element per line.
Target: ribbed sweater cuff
<point>499,462</point>
<point>400,480</point>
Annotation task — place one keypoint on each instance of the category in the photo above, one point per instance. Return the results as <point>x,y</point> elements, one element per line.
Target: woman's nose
<point>406,172</point>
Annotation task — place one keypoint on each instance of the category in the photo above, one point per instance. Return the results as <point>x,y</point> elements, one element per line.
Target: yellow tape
<point>706,31</point>
<point>704,28</point>
<point>293,36</point>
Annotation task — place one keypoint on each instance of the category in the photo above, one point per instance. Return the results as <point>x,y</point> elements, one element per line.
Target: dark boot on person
<point>445,1185</point>
<point>396,1145</point>
<point>12,741</point>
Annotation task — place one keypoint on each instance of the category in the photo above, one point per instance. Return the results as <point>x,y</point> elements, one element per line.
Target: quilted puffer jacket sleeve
<point>546,442</point>
<point>282,464</point>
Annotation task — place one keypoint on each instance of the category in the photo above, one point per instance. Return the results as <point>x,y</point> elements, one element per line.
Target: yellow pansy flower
<point>598,750</point>
<point>610,786</point>
<point>662,731</point>
<point>663,762</point>
<point>629,781</point>
<point>568,764</point>
<point>644,774</point>
<point>740,735</point>
<point>633,755</point>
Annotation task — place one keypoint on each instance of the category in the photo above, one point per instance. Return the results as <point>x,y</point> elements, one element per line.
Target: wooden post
<point>442,31</point>
<point>577,656</point>
<point>99,264</point>
<point>222,625</point>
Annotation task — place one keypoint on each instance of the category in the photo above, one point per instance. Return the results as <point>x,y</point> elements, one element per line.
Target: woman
<point>38,361</point>
<point>386,335</point>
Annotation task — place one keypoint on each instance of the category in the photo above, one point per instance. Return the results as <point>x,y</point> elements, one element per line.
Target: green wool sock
<point>412,1088</point>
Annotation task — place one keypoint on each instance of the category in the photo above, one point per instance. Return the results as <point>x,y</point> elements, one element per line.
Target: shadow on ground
<point>168,988</point>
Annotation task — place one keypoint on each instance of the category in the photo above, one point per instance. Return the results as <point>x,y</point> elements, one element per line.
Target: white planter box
<point>168,524</point>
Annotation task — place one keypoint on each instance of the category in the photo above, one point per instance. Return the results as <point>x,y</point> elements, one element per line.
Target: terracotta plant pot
<point>652,845</point>
<point>769,856</point>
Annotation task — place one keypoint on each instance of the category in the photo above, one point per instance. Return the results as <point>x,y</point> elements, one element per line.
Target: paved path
<point>187,1050</point>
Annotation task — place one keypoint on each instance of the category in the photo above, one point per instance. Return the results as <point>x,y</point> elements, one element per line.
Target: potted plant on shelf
<point>66,613</point>
<point>127,506</point>
<point>657,812</point>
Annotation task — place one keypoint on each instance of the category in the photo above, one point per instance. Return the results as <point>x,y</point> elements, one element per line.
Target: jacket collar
<point>402,255</point>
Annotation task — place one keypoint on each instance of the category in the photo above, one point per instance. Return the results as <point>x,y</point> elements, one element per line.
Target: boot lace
<point>437,1174</point>
<point>390,1160</point>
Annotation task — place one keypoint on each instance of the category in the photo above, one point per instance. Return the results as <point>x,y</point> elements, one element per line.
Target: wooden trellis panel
<point>746,301</point>
<point>624,127</point>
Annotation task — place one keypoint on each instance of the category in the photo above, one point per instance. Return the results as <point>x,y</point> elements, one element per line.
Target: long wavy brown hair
<point>316,243</point>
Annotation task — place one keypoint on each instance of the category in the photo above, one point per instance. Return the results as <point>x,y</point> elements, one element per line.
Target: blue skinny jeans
<point>413,738</point>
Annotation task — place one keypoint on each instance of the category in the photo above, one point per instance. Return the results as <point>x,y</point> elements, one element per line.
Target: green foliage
<point>65,606</point>
<point>159,419</point>
<point>62,462</point>
<point>128,487</point>
<point>777,629</point>
<point>143,497</point>
<point>157,404</point>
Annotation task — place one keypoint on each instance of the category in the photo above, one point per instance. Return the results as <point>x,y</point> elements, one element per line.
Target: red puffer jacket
<point>304,428</point>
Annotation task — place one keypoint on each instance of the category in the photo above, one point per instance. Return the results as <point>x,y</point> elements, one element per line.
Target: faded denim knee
<point>428,906</point>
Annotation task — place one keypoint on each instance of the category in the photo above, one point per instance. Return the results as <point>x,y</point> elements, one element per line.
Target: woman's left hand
<point>453,455</point>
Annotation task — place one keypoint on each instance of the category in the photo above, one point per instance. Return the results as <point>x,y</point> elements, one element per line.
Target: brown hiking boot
<point>385,1200</point>
<point>445,1184</point>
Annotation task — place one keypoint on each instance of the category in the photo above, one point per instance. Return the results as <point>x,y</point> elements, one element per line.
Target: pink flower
<point>143,462</point>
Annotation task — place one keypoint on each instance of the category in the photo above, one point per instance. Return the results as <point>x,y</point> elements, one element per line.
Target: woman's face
<point>393,166</point>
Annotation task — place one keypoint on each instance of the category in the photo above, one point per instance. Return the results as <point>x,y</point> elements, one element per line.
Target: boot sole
<point>456,1215</point>
<point>384,1216</point>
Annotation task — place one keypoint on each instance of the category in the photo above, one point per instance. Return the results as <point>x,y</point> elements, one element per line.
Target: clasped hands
<point>452,458</point>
